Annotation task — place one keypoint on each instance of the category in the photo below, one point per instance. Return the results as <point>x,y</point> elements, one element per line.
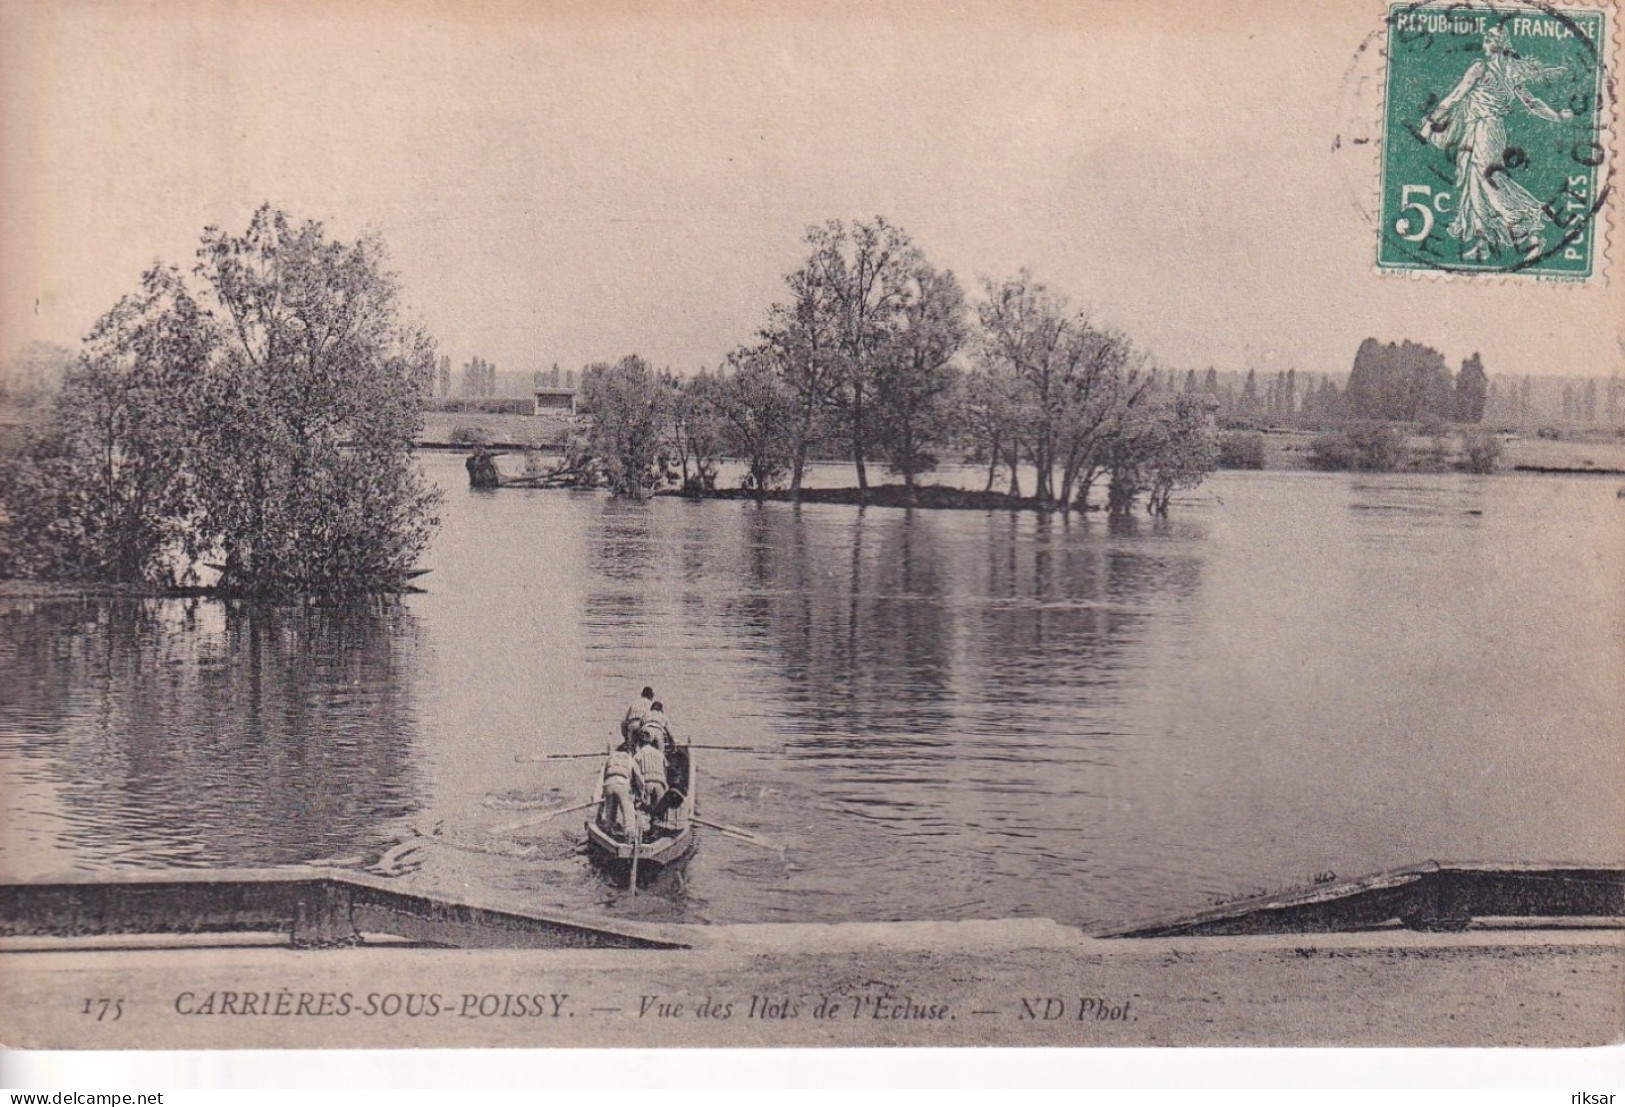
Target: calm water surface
<point>948,714</point>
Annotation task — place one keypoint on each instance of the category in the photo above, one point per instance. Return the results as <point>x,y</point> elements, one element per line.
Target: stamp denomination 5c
<point>1495,153</point>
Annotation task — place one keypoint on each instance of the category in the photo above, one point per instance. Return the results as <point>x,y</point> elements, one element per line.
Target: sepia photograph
<point>631,525</point>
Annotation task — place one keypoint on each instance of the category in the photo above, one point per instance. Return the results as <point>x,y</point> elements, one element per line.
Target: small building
<point>555,401</point>
<point>555,397</point>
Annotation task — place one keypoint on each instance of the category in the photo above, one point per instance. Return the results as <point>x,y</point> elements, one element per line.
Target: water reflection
<point>193,733</point>
<point>857,612</point>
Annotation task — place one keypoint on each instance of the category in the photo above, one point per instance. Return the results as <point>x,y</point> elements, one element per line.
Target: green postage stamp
<point>1495,155</point>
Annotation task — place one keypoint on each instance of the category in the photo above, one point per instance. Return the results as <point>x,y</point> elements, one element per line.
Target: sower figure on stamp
<point>1493,212</point>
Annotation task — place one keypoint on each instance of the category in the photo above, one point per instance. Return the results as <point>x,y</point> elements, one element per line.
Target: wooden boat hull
<point>613,852</point>
<point>669,841</point>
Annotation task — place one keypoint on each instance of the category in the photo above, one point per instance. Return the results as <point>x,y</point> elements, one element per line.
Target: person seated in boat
<point>636,713</point>
<point>657,719</point>
<point>482,469</point>
<point>651,760</point>
<point>623,782</point>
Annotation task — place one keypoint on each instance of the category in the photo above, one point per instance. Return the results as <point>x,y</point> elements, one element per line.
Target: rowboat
<point>663,838</point>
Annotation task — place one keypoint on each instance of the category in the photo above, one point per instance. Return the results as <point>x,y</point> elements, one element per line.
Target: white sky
<point>570,183</point>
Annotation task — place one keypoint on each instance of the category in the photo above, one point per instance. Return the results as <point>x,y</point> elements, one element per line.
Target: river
<point>948,714</point>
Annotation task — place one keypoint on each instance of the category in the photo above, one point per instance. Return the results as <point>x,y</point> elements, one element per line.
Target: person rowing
<point>636,713</point>
<point>651,760</point>
<point>623,781</point>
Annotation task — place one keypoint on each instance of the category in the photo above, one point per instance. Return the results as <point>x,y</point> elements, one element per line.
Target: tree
<point>267,425</point>
<point>864,276</point>
<point>1483,451</point>
<point>1159,446</point>
<point>757,412</point>
<point>1107,394</point>
<point>479,379</point>
<point>1183,451</point>
<point>306,480</point>
<point>1071,382</point>
<point>913,392</point>
<point>802,339</point>
<point>1370,446</point>
<point>1472,390</point>
<point>102,490</point>
<point>987,404</point>
<point>631,410</point>
<point>1404,383</point>
<point>697,430</point>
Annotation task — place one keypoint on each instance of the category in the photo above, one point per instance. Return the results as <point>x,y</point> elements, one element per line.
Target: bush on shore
<point>1482,451</point>
<point>1365,447</point>
<point>1241,450</point>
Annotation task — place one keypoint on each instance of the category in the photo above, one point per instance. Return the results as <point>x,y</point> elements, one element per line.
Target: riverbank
<point>1018,982</point>
<point>933,496</point>
<point>1597,451</point>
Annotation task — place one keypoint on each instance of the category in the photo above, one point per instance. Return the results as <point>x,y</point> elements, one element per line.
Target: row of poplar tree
<point>875,356</point>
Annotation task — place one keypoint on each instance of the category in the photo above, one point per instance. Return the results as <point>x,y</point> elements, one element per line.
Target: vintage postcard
<point>1084,524</point>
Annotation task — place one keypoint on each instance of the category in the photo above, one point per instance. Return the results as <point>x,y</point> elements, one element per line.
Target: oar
<point>534,819</point>
<point>753,839</point>
<point>533,758</point>
<point>636,839</point>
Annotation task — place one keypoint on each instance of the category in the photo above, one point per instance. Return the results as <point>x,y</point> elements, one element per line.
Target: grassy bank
<point>1600,450</point>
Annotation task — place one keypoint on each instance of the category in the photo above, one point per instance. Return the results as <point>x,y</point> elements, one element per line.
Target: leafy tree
<point>1483,451</point>
<point>1241,450</point>
<point>1073,382</point>
<point>631,409</point>
<point>1107,403</point>
<point>864,275</point>
<point>913,394</point>
<point>1404,382</point>
<point>758,413</point>
<point>306,480</point>
<point>988,402</point>
<point>1159,447</point>
<point>1249,393</point>
<point>1183,451</point>
<point>1371,446</point>
<point>697,430</point>
<point>803,340</point>
<point>267,424</point>
<point>479,379</point>
<point>102,490</point>
<point>1472,390</point>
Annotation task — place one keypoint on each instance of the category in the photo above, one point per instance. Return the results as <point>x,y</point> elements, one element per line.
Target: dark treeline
<point>1403,382</point>
<point>875,356</point>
